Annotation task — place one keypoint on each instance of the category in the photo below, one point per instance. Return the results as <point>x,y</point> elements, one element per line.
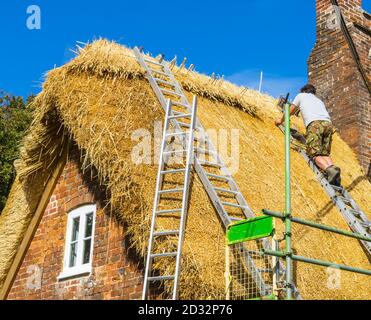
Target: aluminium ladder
<point>158,210</point>
<point>351,212</point>
<point>164,85</point>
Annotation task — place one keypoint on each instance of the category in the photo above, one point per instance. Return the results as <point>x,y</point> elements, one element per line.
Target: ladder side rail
<point>356,207</point>
<point>155,205</point>
<point>256,275</point>
<point>153,84</point>
<point>333,196</point>
<point>232,184</point>
<point>198,167</point>
<point>156,90</point>
<point>183,221</point>
<point>331,191</point>
<point>226,219</point>
<point>352,221</point>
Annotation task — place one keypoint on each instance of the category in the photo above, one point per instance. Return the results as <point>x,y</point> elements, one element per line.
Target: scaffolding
<point>288,220</point>
<point>248,234</point>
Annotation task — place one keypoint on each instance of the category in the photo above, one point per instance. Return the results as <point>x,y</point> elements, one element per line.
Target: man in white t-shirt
<point>319,131</point>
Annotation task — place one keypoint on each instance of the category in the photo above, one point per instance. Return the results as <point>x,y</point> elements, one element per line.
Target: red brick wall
<point>115,273</point>
<point>334,72</point>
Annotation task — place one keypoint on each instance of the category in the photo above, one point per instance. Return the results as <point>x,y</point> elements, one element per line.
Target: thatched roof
<point>101,97</point>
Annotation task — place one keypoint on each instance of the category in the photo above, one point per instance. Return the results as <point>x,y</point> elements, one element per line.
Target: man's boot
<point>338,180</point>
<point>333,175</point>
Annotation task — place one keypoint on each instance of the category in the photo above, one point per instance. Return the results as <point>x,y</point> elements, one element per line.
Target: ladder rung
<point>210,164</point>
<point>356,213</point>
<point>162,278</point>
<point>175,152</point>
<point>175,103</point>
<point>181,115</point>
<point>233,205</point>
<point>164,255</point>
<point>202,139</point>
<point>160,72</point>
<point>341,189</point>
<point>167,83</point>
<point>215,176</point>
<point>235,219</point>
<point>166,233</point>
<point>173,171</point>
<point>204,151</point>
<point>185,125</point>
<point>175,134</point>
<point>366,225</point>
<point>226,191</point>
<point>265,270</point>
<point>153,62</point>
<point>173,93</point>
<point>169,211</point>
<point>344,199</point>
<point>171,191</point>
<point>252,252</point>
<point>176,113</point>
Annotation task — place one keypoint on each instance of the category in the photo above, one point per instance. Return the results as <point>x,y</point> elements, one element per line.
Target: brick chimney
<point>333,70</point>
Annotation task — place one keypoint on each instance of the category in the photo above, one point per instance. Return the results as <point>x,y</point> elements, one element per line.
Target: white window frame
<point>79,269</point>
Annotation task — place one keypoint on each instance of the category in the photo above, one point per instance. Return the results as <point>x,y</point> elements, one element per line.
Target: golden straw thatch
<point>101,97</point>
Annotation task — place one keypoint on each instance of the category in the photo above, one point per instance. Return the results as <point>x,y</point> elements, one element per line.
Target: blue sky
<point>237,38</point>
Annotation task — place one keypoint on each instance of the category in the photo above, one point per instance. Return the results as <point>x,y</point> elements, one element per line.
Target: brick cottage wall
<point>115,273</point>
<point>334,72</point>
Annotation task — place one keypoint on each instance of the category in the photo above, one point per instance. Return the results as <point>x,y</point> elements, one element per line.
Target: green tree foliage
<point>15,118</point>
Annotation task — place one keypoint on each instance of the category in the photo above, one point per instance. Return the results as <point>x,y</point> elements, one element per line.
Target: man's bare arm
<point>293,109</point>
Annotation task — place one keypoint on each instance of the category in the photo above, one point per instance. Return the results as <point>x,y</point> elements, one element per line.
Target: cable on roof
<point>351,44</point>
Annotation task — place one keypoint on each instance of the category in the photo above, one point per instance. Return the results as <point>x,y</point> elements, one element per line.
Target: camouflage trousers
<point>319,138</point>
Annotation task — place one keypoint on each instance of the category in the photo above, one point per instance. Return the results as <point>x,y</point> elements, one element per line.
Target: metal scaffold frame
<point>245,233</point>
<point>353,215</point>
<point>288,219</point>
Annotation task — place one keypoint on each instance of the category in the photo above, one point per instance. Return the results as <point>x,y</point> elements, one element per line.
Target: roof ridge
<point>110,60</point>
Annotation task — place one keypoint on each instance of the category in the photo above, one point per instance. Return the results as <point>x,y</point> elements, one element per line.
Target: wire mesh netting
<point>249,273</point>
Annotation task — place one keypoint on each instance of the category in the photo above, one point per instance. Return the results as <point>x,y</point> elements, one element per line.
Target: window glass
<point>89,225</point>
<point>73,255</point>
<point>75,229</point>
<point>74,242</point>
<point>87,250</point>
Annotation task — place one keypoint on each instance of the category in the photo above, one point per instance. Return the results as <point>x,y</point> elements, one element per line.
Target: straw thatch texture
<point>100,98</point>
